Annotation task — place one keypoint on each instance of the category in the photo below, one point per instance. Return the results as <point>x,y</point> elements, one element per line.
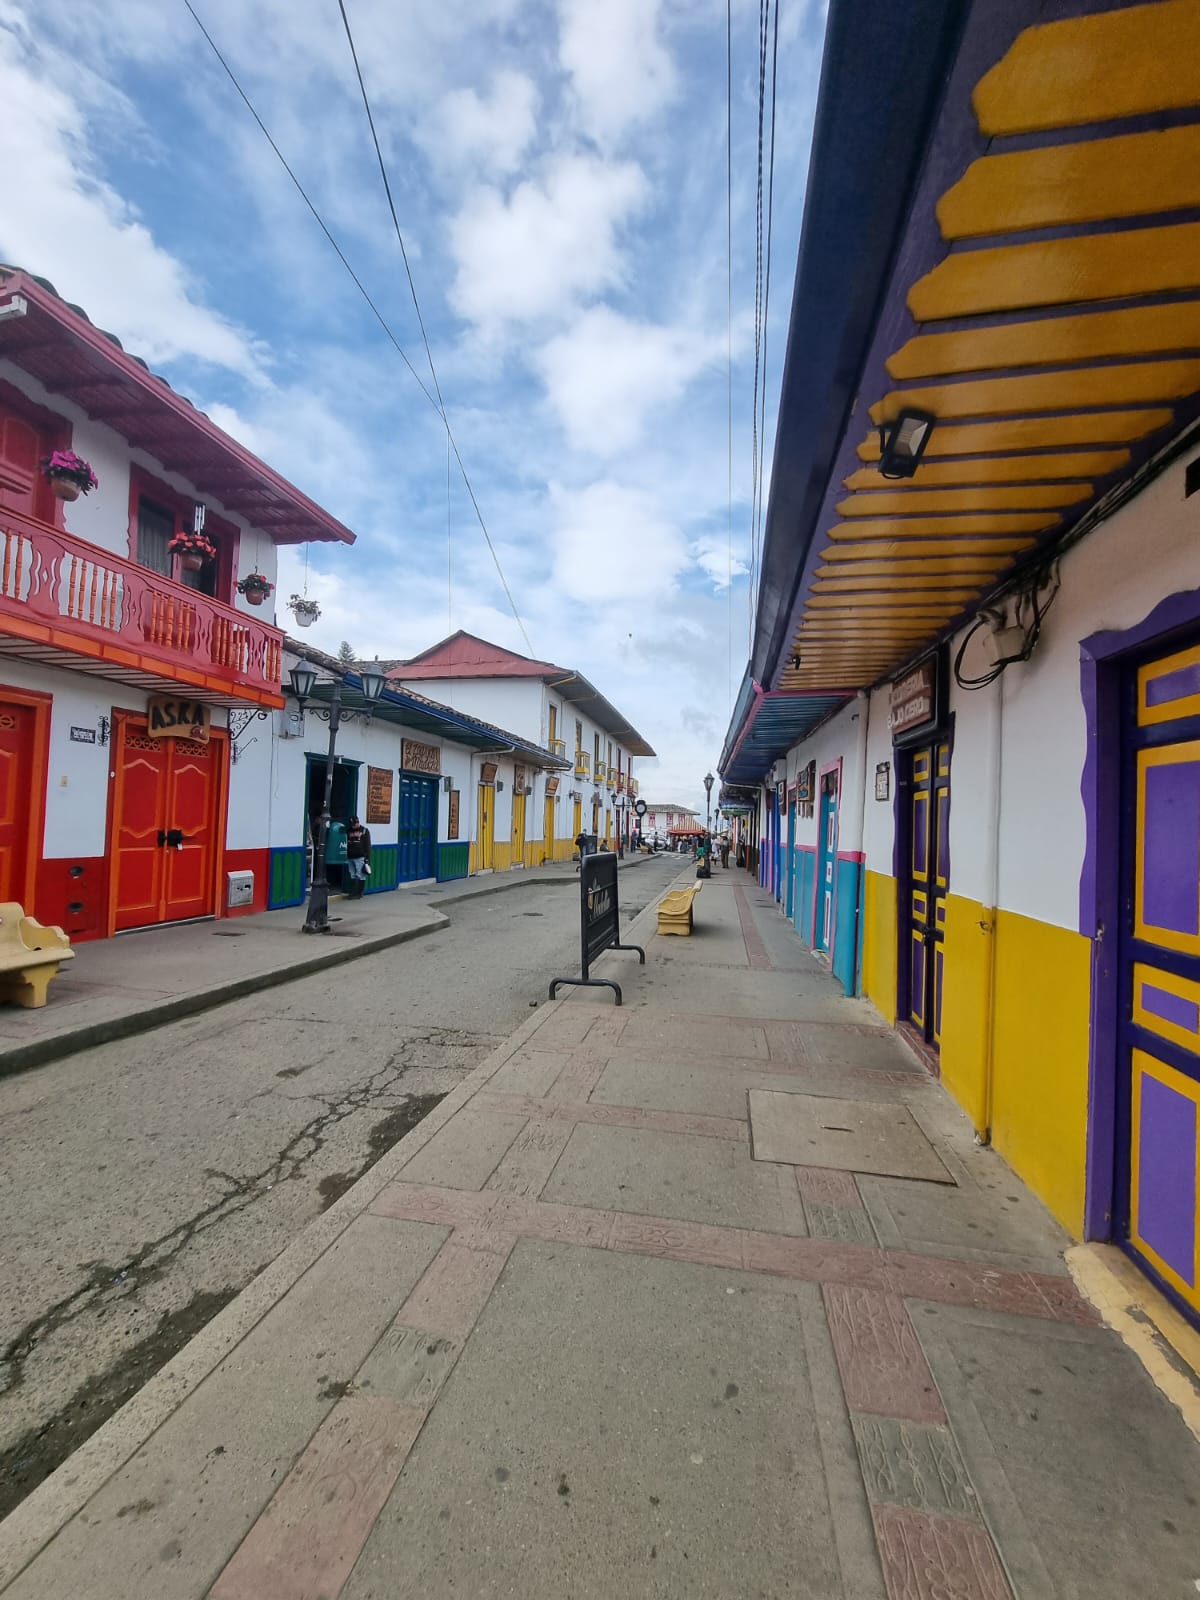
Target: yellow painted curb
<point>1163,1342</point>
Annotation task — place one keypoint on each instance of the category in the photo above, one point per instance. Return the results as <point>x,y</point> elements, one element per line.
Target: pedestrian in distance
<point>358,857</point>
<point>725,851</point>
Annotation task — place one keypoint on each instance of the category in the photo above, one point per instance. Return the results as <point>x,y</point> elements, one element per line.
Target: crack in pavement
<point>107,1285</point>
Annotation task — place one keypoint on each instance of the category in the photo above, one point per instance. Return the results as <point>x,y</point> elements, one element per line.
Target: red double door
<point>167,825</point>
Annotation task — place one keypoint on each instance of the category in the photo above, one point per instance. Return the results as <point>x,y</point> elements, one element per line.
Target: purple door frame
<point>1101,659</point>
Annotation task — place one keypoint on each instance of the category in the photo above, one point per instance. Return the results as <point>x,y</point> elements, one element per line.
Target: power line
<point>729,297</point>
<point>762,431</point>
<point>435,402</point>
<point>387,189</point>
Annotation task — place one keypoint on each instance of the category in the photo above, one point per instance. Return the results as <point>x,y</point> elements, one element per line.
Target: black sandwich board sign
<point>599,921</point>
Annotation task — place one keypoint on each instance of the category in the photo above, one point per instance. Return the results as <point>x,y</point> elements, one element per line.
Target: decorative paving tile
<point>409,1365</point>
<point>453,1290</point>
<point>756,950</point>
<point>826,1186</point>
<point>906,1464</point>
<point>424,1202</point>
<point>309,1537</point>
<point>966,1283</point>
<point>679,1241</point>
<point>937,1558</point>
<point>815,1260</point>
<point>844,1224</point>
<point>879,1357</point>
<point>580,1076</point>
<point>531,1158</point>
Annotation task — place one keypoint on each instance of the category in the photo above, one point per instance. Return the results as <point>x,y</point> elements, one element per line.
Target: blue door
<point>418,827</point>
<point>826,863</point>
<point>790,860</point>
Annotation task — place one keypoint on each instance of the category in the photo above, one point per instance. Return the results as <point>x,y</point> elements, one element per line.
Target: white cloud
<point>487,132</point>
<point>610,537</point>
<point>530,257</point>
<point>712,556</point>
<point>620,72</point>
<point>607,374</point>
<point>63,222</point>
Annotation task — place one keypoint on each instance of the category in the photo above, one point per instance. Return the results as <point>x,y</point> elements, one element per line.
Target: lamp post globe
<point>708,784</point>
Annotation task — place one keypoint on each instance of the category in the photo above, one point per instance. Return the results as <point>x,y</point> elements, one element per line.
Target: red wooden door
<point>23,446</point>
<point>166,796</point>
<point>20,791</point>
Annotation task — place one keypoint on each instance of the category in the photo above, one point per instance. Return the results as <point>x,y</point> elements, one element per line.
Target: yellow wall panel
<point>471,862</point>
<point>968,956</point>
<point>999,469</point>
<point>952,527</point>
<point>1052,272</point>
<point>879,944</point>
<point>1121,385</point>
<point>1061,74</point>
<point>982,497</point>
<point>1087,180</point>
<point>1033,433</point>
<point>1040,1070</point>
<point>503,855</point>
<point>883,550</point>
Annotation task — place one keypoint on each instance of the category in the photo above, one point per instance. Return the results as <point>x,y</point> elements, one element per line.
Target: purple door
<point>929,883</point>
<point>1158,1151</point>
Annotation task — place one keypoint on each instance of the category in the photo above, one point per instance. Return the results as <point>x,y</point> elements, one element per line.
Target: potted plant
<point>193,550</point>
<point>69,475</point>
<point>256,587</point>
<point>306,611</point>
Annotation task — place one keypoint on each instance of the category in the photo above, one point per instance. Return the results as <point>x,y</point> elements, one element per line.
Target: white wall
<point>837,740</point>
<point>514,704</point>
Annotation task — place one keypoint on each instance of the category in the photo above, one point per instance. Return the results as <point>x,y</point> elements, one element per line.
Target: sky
<point>559,174</point>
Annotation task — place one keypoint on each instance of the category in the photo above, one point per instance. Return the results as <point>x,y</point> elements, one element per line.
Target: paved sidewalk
<point>572,1339</point>
<point>117,987</point>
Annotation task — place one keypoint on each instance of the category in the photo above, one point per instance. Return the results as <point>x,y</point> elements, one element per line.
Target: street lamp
<point>303,678</point>
<point>708,783</point>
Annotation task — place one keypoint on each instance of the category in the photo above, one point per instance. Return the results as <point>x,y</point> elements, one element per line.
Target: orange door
<point>22,787</point>
<point>165,828</point>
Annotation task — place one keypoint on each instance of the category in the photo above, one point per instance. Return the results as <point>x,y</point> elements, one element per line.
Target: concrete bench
<point>675,910</point>
<point>30,955</point>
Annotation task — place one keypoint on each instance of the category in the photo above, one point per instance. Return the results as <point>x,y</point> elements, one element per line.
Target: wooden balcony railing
<point>583,763</point>
<point>82,599</point>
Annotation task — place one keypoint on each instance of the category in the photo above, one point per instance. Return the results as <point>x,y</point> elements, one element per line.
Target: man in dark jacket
<point>358,858</point>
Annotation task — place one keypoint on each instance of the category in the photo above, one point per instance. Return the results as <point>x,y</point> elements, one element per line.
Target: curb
<point>57,1046</point>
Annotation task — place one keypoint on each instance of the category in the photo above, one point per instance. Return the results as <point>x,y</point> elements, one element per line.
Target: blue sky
<point>559,172</point>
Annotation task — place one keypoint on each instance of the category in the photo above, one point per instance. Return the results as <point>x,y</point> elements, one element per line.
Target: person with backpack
<point>358,858</point>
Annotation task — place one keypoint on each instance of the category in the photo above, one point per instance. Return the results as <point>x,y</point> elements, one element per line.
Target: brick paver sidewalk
<point>572,1339</point>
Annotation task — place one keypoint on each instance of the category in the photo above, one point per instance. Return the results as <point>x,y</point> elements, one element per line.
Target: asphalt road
<point>144,1183</point>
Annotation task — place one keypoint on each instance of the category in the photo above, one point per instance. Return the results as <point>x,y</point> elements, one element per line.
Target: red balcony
<point>75,605</point>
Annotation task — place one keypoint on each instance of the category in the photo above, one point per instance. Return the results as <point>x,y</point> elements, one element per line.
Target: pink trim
<point>807,849</point>
<point>857,856</point>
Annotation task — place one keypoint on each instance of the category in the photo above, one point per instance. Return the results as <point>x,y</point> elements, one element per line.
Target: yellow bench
<point>30,955</point>
<point>675,914</point>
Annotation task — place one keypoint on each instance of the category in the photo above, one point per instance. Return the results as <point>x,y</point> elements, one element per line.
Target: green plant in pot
<point>256,587</point>
<point>69,475</point>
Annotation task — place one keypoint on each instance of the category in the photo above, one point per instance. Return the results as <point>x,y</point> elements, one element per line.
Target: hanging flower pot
<point>306,611</point>
<point>191,561</point>
<point>69,475</point>
<point>193,550</point>
<point>256,588</point>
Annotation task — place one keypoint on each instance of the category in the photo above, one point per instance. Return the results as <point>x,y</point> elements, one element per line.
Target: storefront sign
<point>415,757</point>
<point>551,788</point>
<point>379,795</point>
<point>883,780</point>
<point>781,794</point>
<point>806,780</point>
<point>518,780</point>
<point>914,699</point>
<point>487,772</point>
<point>452,821</point>
<point>83,735</point>
<point>169,717</point>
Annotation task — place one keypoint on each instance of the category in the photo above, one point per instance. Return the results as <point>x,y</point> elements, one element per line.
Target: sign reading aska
<point>379,795</point>
<point>914,700</point>
<point>416,757</point>
<point>170,717</point>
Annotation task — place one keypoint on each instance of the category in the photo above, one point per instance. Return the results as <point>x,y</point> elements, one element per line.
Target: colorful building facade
<point>558,710</point>
<point>972,713</point>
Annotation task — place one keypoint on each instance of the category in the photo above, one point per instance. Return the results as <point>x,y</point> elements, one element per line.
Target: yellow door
<point>608,826</point>
<point>595,818</point>
<point>486,854</point>
<point>518,830</point>
<point>548,830</point>
<point>577,823</point>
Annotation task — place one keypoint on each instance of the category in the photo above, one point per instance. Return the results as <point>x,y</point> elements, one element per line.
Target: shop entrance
<point>923,901</point>
<point>1158,1068</point>
<point>827,835</point>
<point>486,854</point>
<point>343,804</point>
<point>417,828</point>
<point>24,722</point>
<point>166,825</point>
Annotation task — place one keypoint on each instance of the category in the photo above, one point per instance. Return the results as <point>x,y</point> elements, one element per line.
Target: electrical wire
<point>758,287</point>
<point>1029,596</point>
<point>766,316</point>
<point>360,286</point>
<point>387,189</point>
<point>729,303</point>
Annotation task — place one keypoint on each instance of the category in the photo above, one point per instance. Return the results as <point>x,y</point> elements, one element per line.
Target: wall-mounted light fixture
<point>903,443</point>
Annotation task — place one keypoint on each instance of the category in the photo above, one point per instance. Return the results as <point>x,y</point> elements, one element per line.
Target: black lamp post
<point>303,679</point>
<point>708,783</point>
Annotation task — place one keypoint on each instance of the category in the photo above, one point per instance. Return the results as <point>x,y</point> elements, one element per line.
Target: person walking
<point>725,851</point>
<point>358,858</point>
